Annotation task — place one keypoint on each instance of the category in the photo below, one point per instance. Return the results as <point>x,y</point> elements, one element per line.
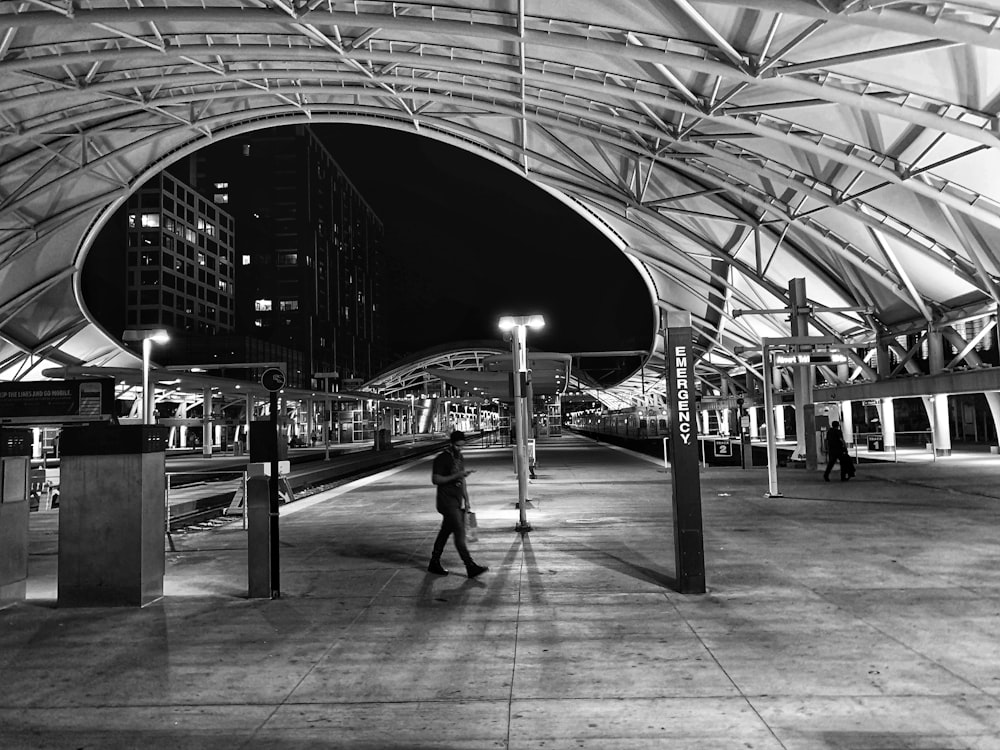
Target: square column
<point>15,452</point>
<point>111,515</point>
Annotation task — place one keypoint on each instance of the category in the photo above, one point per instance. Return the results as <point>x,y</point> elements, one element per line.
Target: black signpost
<point>273,380</point>
<point>689,548</point>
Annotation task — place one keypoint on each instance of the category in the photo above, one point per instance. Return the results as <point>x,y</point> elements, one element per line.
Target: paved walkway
<point>858,615</point>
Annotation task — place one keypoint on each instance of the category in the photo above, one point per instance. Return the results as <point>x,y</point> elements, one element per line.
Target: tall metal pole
<point>147,394</point>
<point>327,421</point>
<point>273,493</point>
<point>520,365</point>
<point>772,444</point>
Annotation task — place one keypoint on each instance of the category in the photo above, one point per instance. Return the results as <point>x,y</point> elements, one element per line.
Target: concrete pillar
<point>754,425</point>
<point>206,423</point>
<point>15,449</point>
<point>847,422</point>
<point>803,377</point>
<point>887,416</point>
<point>883,362</point>
<point>182,430</point>
<point>111,515</point>
<point>937,413</point>
<point>935,351</point>
<point>247,419</point>
<point>706,421</point>
<point>779,422</point>
<point>993,401</point>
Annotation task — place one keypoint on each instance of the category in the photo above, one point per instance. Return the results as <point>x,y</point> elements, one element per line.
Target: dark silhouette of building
<point>257,248</point>
<point>308,249</point>
<point>180,272</point>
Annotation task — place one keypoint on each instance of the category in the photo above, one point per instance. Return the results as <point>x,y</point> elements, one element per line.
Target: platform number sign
<point>723,449</point>
<point>272,379</point>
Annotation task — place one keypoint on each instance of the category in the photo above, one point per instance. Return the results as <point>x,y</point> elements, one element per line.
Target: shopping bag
<point>848,463</point>
<point>471,527</point>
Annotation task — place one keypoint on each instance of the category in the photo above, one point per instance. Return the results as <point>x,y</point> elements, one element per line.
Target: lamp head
<point>508,322</point>
<point>156,335</point>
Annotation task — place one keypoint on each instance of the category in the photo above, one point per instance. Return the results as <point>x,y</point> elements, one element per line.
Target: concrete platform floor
<point>858,615</point>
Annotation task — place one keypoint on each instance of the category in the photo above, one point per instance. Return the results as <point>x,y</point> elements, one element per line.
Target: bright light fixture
<point>156,335</point>
<point>507,322</point>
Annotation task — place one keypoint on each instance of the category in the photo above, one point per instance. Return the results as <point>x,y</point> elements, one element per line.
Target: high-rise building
<point>179,260</point>
<point>308,250</point>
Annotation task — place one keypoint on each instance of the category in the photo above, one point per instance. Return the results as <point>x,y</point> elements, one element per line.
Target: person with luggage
<point>836,450</point>
<point>448,475</point>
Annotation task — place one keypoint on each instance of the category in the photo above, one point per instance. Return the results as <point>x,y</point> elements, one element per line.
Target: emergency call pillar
<point>267,449</point>
<point>15,452</point>
<point>111,515</point>
<point>689,547</point>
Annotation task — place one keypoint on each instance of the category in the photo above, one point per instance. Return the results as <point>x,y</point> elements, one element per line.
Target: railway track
<point>305,479</point>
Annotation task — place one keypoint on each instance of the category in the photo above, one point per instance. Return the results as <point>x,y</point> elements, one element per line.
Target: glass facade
<point>309,249</point>
<point>180,272</point>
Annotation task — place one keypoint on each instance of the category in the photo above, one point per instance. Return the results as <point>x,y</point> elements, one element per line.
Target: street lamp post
<point>327,377</point>
<point>518,326</point>
<point>148,336</point>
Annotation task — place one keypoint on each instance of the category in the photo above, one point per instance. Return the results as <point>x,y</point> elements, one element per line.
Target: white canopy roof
<point>725,147</point>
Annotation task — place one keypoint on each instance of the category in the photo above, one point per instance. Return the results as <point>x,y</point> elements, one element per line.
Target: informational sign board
<point>54,402</point>
<point>723,449</point>
<point>272,379</point>
<point>789,359</point>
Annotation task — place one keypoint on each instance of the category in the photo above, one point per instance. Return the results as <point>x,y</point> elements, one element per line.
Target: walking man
<point>835,451</point>
<point>449,474</point>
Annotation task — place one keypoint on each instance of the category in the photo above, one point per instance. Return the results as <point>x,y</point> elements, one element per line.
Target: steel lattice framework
<point>724,147</point>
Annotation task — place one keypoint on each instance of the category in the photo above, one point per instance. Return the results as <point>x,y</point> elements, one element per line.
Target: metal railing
<point>217,490</point>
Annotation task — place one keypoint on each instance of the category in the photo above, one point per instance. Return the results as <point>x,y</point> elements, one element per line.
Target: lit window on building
<point>288,305</point>
<point>206,227</point>
<point>258,323</point>
<point>262,305</point>
<point>150,220</point>
<point>133,221</point>
<point>190,235</point>
<point>201,259</point>
<point>246,260</point>
<point>288,259</point>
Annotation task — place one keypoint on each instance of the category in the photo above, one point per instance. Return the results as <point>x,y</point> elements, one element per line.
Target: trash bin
<point>876,443</point>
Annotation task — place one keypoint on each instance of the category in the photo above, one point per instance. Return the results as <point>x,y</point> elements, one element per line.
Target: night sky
<point>468,241</point>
